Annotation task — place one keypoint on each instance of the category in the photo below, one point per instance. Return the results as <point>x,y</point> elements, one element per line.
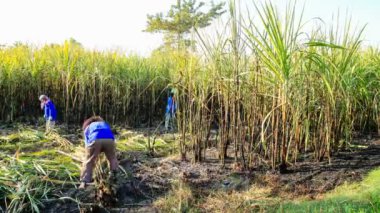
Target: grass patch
<point>23,147</point>
<point>140,143</point>
<point>61,167</point>
<point>179,199</point>
<point>234,201</point>
<point>355,197</point>
<point>27,181</point>
<point>363,196</point>
<point>23,140</point>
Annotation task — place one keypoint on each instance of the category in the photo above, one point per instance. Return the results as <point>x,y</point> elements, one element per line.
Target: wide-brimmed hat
<point>42,97</point>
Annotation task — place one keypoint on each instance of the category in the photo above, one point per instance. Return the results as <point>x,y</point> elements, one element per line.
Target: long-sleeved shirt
<point>97,130</point>
<point>50,111</point>
<point>171,106</point>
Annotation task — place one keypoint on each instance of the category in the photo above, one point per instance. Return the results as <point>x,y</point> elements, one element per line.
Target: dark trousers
<point>108,146</point>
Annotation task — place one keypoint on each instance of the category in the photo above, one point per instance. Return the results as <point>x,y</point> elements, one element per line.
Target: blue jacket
<point>97,130</point>
<point>50,111</point>
<point>171,107</point>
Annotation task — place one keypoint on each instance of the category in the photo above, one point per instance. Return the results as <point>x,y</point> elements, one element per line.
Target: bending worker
<point>50,113</point>
<point>98,138</point>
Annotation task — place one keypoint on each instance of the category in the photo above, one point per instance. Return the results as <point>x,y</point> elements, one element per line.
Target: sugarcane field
<point>189,106</point>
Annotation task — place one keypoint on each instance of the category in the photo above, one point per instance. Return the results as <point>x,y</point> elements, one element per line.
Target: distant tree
<point>19,44</point>
<point>183,17</point>
<point>75,42</point>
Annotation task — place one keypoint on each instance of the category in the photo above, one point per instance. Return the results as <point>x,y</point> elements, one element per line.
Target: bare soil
<point>152,177</point>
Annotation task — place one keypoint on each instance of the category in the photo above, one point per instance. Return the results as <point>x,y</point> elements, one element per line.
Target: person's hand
<point>50,118</point>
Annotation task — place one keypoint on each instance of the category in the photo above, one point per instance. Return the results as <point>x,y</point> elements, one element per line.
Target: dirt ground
<point>152,177</point>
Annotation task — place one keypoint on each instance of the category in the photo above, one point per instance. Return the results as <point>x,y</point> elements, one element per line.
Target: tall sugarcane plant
<point>270,89</point>
<point>81,83</point>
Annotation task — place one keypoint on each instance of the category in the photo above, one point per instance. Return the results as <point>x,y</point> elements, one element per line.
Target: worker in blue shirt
<point>98,138</point>
<point>50,113</point>
<point>171,108</point>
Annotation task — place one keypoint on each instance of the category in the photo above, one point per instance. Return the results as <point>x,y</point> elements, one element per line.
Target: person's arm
<point>172,106</point>
<point>86,134</point>
<point>53,112</point>
<point>49,112</point>
<point>46,111</point>
<point>167,110</point>
<point>170,103</point>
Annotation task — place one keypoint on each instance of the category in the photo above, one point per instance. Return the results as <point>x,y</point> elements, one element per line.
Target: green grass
<point>60,167</point>
<point>179,199</point>
<point>31,170</point>
<point>23,140</point>
<point>356,197</point>
<point>161,146</point>
<point>363,196</point>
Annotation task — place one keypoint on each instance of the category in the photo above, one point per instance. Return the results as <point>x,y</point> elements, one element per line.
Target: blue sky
<point>118,24</point>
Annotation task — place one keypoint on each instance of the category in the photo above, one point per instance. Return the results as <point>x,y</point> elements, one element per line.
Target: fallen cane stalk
<point>72,157</point>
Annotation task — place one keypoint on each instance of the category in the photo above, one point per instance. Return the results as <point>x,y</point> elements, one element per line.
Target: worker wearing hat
<point>98,138</point>
<point>171,108</point>
<point>50,113</point>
